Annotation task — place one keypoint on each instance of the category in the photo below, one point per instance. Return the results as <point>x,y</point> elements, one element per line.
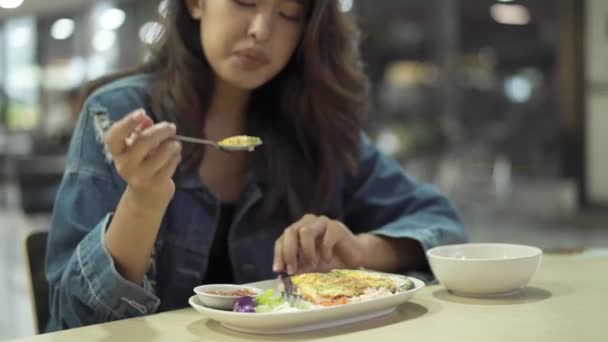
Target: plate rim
<point>418,285</point>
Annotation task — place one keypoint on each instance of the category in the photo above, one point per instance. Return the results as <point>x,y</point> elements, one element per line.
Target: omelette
<point>342,286</point>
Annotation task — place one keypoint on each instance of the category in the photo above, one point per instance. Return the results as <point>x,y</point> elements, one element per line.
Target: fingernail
<point>275,267</point>
<point>290,269</point>
<point>138,114</point>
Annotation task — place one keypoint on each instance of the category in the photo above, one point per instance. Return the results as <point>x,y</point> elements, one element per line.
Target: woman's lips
<point>251,59</point>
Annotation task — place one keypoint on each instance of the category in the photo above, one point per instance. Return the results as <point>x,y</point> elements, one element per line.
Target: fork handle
<point>287,284</point>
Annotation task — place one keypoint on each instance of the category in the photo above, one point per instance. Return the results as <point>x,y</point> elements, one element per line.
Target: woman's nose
<point>260,28</point>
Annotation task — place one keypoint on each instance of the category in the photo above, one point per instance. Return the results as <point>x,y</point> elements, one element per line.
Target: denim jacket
<point>85,287</point>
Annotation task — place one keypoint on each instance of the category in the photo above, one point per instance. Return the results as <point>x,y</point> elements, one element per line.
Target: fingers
<point>278,263</point>
<point>308,238</point>
<point>290,249</point>
<point>334,233</point>
<point>129,164</point>
<point>117,135</point>
<point>312,242</point>
<point>286,247</point>
<point>168,170</point>
<point>147,122</point>
<point>162,155</point>
<point>150,139</point>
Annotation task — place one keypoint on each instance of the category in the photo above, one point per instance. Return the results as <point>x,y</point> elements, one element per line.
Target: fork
<point>292,299</point>
<point>287,284</point>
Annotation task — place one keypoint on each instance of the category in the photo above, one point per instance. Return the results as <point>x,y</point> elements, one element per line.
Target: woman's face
<point>248,42</point>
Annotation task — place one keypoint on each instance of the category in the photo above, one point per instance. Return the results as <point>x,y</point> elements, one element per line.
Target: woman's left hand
<point>317,244</point>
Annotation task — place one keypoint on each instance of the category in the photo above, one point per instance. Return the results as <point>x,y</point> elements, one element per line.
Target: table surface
<point>565,301</point>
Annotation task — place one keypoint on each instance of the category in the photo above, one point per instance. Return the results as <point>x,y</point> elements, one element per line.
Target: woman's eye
<point>246,3</point>
<point>292,12</point>
<point>291,17</point>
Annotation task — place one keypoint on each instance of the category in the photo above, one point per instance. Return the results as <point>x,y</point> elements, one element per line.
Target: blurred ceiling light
<point>346,5</point>
<point>19,36</point>
<point>10,4</point>
<point>403,73</point>
<point>505,0</point>
<point>150,32</point>
<point>62,29</point>
<point>112,19</point>
<point>518,88</point>
<point>163,7</point>
<point>510,14</point>
<point>388,142</point>
<point>104,40</point>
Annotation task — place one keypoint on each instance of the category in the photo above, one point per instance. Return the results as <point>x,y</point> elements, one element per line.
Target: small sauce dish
<point>223,296</point>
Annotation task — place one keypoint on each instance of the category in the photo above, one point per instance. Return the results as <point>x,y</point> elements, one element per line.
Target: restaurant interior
<point>500,104</point>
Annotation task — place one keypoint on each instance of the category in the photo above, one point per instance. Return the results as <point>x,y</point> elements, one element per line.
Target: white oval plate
<point>294,322</point>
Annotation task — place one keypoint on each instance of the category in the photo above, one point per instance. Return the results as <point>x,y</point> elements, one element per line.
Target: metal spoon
<point>103,123</point>
<point>222,147</point>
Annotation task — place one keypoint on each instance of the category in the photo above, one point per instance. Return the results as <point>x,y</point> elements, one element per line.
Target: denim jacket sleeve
<point>84,285</point>
<point>382,199</point>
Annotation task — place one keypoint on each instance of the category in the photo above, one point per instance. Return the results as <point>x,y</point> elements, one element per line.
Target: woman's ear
<point>195,7</point>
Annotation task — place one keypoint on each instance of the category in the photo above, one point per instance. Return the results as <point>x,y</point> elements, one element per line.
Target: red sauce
<point>233,293</point>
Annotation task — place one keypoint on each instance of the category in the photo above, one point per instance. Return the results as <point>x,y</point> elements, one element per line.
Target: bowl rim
<point>200,290</point>
<point>535,251</point>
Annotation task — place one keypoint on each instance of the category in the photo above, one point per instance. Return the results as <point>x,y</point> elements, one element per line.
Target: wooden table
<point>566,301</point>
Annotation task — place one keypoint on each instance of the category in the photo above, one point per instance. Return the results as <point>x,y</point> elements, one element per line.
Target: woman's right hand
<point>145,156</point>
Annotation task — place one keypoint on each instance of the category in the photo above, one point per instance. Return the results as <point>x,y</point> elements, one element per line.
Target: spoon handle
<point>195,140</point>
<point>103,123</point>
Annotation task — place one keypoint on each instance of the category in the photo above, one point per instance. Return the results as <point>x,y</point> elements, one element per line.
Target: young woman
<point>141,220</point>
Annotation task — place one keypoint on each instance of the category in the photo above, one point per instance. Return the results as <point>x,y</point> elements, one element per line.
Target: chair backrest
<point>35,251</point>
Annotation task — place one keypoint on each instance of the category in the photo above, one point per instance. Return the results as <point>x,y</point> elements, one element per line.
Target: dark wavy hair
<point>309,116</point>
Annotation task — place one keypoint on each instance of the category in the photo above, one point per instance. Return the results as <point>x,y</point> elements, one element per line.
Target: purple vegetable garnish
<point>245,304</point>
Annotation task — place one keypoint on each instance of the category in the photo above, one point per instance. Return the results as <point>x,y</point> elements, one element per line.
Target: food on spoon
<point>240,140</point>
<point>343,286</point>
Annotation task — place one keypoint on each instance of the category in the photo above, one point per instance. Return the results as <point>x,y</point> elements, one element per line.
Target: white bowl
<point>484,269</point>
<point>209,296</point>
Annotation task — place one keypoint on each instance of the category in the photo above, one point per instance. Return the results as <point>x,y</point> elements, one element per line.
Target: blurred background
<point>500,103</point>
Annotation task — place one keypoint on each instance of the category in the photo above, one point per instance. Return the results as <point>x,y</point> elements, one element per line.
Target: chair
<point>35,251</point>
<point>38,177</point>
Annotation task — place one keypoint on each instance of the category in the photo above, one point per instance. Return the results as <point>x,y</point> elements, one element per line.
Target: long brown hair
<point>309,116</point>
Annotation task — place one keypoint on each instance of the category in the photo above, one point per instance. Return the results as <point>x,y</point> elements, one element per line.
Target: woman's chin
<point>246,83</point>
<point>244,80</point>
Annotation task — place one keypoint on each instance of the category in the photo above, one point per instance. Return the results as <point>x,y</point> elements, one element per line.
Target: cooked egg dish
<point>343,286</point>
